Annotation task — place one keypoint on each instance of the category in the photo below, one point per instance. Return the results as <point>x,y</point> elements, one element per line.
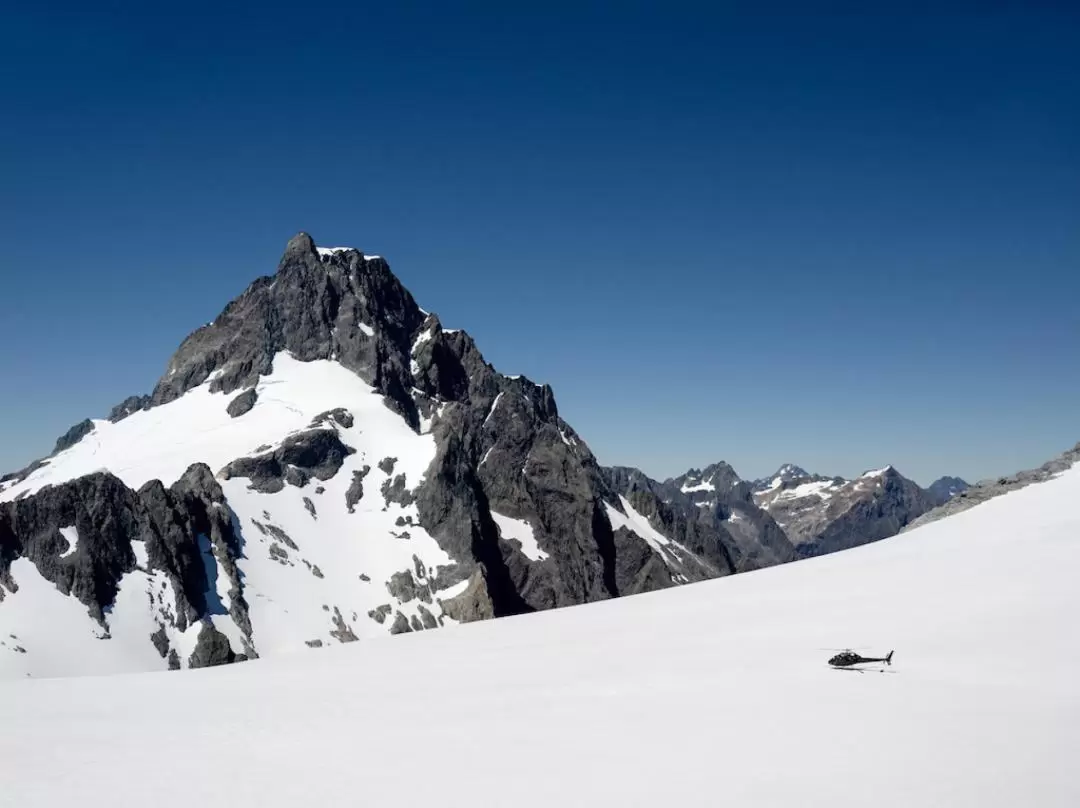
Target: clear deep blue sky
<point>837,238</point>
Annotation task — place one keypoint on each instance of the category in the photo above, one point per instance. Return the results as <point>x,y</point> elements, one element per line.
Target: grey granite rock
<point>314,308</point>
<point>380,613</point>
<point>212,648</point>
<point>160,641</point>
<point>397,491</point>
<point>400,624</point>
<point>242,403</point>
<point>404,587</point>
<point>427,618</point>
<point>342,632</point>
<point>315,453</point>
<point>475,603</point>
<point>73,435</point>
<point>338,415</point>
<point>128,406</point>
<point>356,488</point>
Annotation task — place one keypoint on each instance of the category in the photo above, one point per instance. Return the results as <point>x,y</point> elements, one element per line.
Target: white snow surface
<point>635,701</point>
<point>876,472</point>
<point>822,488</point>
<point>285,600</point>
<point>521,530</point>
<point>71,534</point>
<point>704,485</point>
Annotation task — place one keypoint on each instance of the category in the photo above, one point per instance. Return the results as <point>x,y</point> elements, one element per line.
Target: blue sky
<point>837,238</point>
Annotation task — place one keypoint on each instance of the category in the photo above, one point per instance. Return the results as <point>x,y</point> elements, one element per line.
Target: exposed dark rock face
<point>108,517</point>
<point>161,642</point>
<point>400,624</point>
<point>475,603</point>
<point>314,307</point>
<point>212,648</point>
<point>73,435</point>
<point>380,613</point>
<point>396,491</point>
<point>316,453</point>
<point>242,403</point>
<point>340,416</point>
<point>128,406</point>
<point>277,533</point>
<point>342,632</point>
<point>427,619</point>
<point>356,488</point>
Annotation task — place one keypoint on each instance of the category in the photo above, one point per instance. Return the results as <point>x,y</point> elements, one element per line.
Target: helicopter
<point>847,658</point>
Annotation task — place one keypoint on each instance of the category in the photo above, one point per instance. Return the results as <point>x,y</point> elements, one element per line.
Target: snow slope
<point>716,693</point>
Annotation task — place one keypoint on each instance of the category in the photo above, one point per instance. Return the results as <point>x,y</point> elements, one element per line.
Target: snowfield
<point>716,693</point>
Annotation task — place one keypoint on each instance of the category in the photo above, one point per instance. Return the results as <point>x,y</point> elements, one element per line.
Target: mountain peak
<point>945,488</point>
<point>787,473</point>
<point>300,246</point>
<point>880,472</point>
<point>791,471</point>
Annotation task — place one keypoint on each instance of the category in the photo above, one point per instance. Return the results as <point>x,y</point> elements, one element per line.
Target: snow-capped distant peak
<point>878,472</point>
<point>785,474</point>
<point>790,470</point>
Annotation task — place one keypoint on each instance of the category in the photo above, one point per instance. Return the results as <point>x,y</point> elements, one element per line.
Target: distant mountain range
<point>324,462</point>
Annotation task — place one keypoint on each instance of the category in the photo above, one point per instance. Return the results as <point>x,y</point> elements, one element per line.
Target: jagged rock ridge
<point>986,490</point>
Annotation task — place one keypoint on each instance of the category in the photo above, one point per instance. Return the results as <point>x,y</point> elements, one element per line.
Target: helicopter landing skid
<point>862,670</point>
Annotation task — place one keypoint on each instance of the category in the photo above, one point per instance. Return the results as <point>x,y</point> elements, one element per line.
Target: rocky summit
<point>325,462</point>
